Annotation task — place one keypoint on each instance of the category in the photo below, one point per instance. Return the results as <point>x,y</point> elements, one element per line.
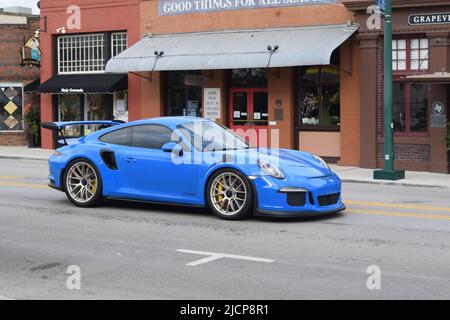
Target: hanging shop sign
<point>30,53</point>
<point>211,103</point>
<point>174,7</point>
<point>429,18</point>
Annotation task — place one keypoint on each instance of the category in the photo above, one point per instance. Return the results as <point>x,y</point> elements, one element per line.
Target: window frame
<point>107,48</point>
<point>408,132</point>
<point>399,76</point>
<point>123,46</point>
<point>408,70</point>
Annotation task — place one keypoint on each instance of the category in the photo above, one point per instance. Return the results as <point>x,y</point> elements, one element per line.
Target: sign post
<point>388,173</point>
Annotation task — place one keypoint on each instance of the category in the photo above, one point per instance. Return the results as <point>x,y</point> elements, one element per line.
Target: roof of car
<point>174,121</point>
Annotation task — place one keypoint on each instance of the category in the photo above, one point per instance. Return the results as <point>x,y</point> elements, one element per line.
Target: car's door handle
<point>130,160</point>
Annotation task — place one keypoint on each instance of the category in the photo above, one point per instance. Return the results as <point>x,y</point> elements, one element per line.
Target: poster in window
<point>212,106</point>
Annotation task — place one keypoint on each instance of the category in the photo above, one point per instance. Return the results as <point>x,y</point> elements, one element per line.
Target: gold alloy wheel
<point>81,182</point>
<point>228,193</point>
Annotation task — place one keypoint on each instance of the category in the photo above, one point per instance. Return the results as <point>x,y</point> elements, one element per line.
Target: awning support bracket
<point>272,50</point>
<point>140,75</point>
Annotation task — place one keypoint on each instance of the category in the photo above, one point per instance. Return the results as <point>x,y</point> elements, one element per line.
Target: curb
<point>386,183</point>
<point>22,158</point>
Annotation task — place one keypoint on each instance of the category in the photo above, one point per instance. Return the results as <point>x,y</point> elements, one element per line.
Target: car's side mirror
<point>173,147</point>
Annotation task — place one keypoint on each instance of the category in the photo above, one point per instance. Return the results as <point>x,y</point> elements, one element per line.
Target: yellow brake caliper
<point>220,196</point>
<point>94,186</point>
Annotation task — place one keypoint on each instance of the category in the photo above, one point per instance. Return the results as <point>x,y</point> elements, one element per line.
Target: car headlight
<point>319,159</point>
<point>270,169</point>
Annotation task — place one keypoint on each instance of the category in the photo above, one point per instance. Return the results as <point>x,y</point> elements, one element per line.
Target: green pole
<point>388,173</point>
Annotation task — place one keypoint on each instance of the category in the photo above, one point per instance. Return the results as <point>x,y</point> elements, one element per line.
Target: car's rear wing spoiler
<point>57,128</point>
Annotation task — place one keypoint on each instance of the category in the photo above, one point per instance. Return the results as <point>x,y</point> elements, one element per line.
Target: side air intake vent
<point>109,158</point>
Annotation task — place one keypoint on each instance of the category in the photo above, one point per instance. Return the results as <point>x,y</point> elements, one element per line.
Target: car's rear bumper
<point>51,185</point>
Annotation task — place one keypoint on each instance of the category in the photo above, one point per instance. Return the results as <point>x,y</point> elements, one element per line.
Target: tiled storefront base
<point>13,139</point>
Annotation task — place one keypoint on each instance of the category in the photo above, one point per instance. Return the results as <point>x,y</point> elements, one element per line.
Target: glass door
<point>249,114</point>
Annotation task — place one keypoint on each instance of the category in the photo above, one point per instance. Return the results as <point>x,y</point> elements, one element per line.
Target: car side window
<point>120,137</point>
<point>152,136</point>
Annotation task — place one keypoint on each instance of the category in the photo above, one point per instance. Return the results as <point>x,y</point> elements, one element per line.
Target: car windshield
<point>209,136</point>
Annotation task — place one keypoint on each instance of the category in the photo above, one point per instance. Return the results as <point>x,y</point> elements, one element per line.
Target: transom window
<point>410,54</point>
<point>119,42</point>
<point>81,53</point>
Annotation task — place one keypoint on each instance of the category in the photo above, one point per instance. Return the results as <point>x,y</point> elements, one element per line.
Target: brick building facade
<point>15,29</point>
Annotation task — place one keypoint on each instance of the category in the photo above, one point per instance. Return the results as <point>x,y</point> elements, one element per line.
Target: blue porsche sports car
<point>189,161</point>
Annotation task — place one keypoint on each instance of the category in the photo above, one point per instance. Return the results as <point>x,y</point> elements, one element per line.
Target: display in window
<point>419,108</point>
<point>11,104</point>
<point>121,106</point>
<point>319,96</point>
<point>70,110</point>
<point>96,107</point>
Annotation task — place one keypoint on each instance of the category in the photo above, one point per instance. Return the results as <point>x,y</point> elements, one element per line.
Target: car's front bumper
<point>269,201</point>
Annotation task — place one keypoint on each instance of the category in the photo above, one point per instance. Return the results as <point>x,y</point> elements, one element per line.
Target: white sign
<point>211,103</point>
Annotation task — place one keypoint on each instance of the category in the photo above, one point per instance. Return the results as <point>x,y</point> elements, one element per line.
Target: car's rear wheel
<point>229,194</point>
<point>82,183</point>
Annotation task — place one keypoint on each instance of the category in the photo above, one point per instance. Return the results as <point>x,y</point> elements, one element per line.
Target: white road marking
<point>212,256</point>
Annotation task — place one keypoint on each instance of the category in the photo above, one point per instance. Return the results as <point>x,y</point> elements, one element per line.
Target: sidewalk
<point>347,174</point>
<point>25,153</point>
<point>414,179</point>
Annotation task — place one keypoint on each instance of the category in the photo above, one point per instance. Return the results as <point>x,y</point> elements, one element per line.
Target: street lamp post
<point>388,173</point>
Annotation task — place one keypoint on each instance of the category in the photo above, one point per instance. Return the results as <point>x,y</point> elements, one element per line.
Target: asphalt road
<point>129,251</point>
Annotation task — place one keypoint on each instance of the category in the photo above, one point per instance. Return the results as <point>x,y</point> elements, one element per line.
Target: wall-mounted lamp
<point>275,48</point>
<point>61,30</point>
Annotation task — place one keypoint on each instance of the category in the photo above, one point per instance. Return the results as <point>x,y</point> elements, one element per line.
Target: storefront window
<point>185,93</point>
<point>96,107</point>
<point>410,108</point>
<point>69,109</point>
<point>89,107</point>
<point>399,107</point>
<point>419,108</point>
<point>319,100</point>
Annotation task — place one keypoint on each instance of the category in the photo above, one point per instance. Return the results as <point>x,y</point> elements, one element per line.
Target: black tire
<point>246,209</point>
<point>97,197</point>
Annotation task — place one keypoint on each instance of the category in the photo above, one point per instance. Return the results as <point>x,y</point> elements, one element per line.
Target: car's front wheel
<point>229,194</point>
<point>82,183</point>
